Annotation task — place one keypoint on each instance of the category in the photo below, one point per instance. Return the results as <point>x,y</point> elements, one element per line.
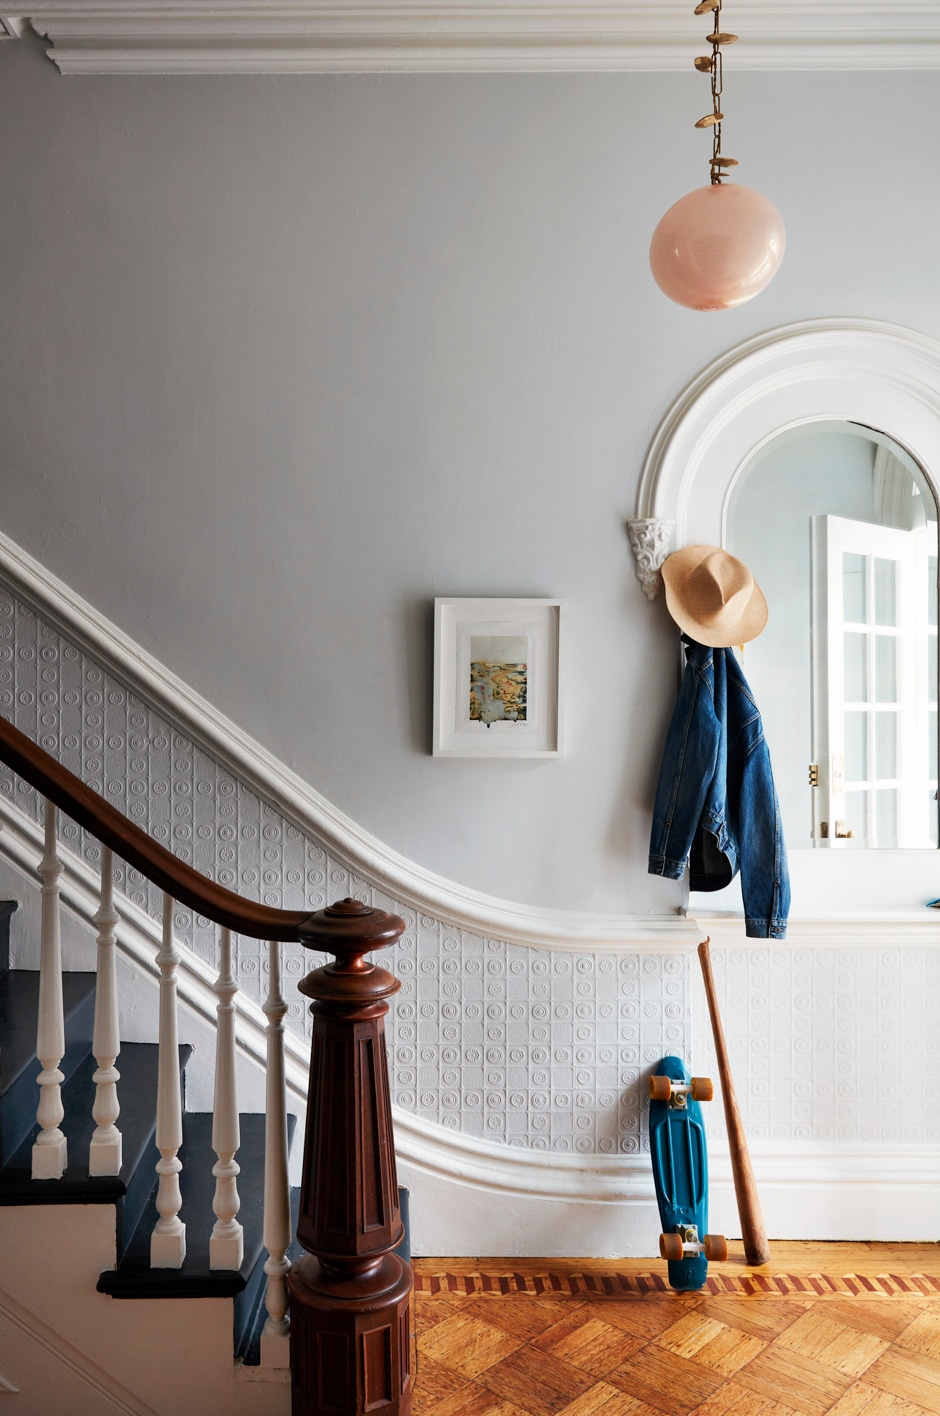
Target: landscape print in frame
<point>497,677</point>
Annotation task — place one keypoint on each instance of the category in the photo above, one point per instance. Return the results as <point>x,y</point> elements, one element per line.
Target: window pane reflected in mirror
<point>886,745</point>
<point>854,595</point>
<point>886,591</point>
<point>886,669</point>
<point>856,668</point>
<point>856,747</point>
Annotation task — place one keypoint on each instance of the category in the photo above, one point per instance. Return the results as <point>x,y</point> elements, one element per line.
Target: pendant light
<point>720,245</point>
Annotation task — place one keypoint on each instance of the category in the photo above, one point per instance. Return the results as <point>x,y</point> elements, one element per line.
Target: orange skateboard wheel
<point>660,1088</point>
<point>670,1246</point>
<point>716,1248</point>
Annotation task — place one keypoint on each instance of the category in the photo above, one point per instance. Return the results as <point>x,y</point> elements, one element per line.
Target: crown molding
<point>516,36</point>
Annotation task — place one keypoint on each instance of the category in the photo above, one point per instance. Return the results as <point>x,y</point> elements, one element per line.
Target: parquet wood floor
<point>846,1329</point>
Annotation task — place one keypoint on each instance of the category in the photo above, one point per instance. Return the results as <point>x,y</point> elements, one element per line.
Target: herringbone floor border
<point>750,1284</point>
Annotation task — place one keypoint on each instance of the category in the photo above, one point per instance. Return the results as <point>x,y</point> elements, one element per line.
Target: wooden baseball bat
<point>753,1233</point>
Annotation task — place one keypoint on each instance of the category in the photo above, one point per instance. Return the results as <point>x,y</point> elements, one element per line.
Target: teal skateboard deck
<point>680,1173</point>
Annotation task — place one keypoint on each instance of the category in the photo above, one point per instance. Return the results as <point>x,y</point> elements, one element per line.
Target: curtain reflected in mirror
<point>839,526</point>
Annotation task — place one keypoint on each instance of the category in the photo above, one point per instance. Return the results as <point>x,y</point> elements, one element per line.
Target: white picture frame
<point>498,675</point>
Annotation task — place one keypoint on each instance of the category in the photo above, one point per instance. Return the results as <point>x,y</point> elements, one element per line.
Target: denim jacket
<point>716,805</point>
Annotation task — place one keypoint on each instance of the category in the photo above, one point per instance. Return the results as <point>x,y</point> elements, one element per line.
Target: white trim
<point>402,879</point>
<point>887,1193</point>
<point>357,36</point>
<point>861,370</point>
<point>109,1394</point>
<point>881,929</point>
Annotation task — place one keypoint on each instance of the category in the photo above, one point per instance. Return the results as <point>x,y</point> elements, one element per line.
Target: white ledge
<point>359,36</point>
<point>874,929</point>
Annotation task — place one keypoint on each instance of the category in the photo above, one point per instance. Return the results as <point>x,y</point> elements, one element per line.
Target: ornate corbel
<point>650,540</point>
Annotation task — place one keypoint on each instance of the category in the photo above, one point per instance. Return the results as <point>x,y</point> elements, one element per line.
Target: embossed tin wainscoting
<point>520,1038</point>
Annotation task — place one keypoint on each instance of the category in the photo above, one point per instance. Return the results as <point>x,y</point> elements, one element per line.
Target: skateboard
<point>680,1173</point>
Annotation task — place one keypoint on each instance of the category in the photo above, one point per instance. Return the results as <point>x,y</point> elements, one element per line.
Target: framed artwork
<point>498,668</point>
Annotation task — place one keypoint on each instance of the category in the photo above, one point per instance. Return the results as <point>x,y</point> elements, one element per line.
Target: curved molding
<point>406,882</point>
<point>453,1156</point>
<point>859,370</point>
<point>356,36</point>
<point>433,1148</point>
<point>512,1170</point>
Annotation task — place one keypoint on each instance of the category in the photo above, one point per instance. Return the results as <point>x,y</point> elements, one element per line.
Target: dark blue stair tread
<point>134,1278</point>
<point>19,1002</point>
<point>19,1005</point>
<point>137,1094</point>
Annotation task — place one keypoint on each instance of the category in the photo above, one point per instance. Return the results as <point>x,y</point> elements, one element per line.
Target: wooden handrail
<point>133,845</point>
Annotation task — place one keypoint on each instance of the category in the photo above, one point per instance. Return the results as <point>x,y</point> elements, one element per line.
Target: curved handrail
<point>133,845</point>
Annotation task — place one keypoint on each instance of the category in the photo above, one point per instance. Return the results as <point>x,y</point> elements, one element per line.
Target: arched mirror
<point>838,524</point>
<point>812,451</point>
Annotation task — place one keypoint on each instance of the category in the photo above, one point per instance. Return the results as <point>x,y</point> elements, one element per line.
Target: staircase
<point>132,1193</point>
<point>111,1190</point>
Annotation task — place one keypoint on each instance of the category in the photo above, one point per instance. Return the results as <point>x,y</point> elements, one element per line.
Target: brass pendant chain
<point>712,64</point>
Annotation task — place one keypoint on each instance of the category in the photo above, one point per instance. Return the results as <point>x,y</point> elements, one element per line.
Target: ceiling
<point>357,36</point>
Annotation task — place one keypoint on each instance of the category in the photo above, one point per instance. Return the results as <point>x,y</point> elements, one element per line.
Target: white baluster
<point>50,1152</point>
<point>275,1339</point>
<point>104,1155</point>
<point>227,1241</point>
<point>168,1240</point>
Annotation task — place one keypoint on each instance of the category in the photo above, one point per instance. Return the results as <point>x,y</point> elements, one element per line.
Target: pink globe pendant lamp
<point>722,244</point>
<point>717,247</point>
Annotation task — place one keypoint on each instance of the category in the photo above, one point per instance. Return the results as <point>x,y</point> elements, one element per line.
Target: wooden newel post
<point>349,1295</point>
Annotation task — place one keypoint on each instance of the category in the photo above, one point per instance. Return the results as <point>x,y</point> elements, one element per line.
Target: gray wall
<point>284,358</point>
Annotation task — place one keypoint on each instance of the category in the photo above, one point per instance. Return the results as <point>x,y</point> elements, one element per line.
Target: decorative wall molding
<point>650,541</point>
<point>357,36</point>
<point>861,370</point>
<point>60,1356</point>
<point>876,1189</point>
<point>401,879</point>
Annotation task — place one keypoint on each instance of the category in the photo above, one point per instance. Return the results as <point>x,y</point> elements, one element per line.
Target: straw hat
<point>713,597</point>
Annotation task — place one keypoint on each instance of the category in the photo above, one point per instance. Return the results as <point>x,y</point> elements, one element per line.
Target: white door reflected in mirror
<point>839,527</point>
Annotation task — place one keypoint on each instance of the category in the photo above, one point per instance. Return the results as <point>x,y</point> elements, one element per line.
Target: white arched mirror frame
<point>847,370</point>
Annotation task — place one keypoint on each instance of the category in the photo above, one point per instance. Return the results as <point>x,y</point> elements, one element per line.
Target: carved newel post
<point>349,1295</point>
